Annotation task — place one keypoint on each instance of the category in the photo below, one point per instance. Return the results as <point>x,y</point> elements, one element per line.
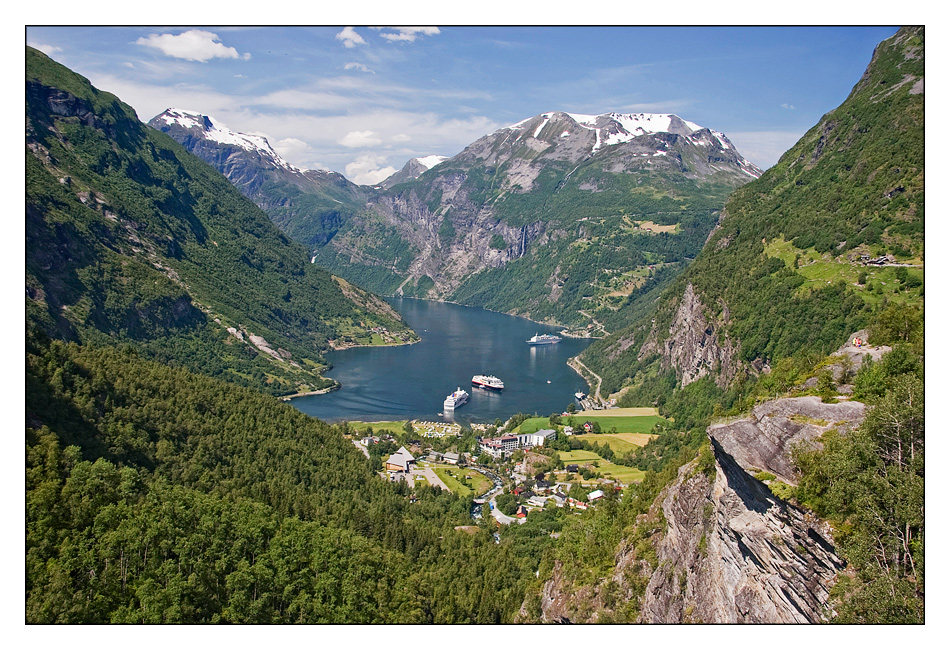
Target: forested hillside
<point>551,218</point>
<point>804,255</point>
<point>828,241</point>
<point>132,239</point>
<point>156,495</point>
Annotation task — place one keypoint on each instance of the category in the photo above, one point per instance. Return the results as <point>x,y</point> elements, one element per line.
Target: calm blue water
<point>411,381</point>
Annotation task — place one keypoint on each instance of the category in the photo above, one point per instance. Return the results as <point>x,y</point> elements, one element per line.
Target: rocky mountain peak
<point>205,127</point>
<point>412,170</point>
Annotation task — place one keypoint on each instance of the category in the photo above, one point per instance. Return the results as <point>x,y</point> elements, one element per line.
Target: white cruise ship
<point>543,339</point>
<point>457,398</point>
<point>488,381</point>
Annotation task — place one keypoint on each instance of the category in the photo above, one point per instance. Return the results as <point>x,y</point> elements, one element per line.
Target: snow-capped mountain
<point>412,170</point>
<point>576,137</point>
<point>205,127</point>
<point>307,204</point>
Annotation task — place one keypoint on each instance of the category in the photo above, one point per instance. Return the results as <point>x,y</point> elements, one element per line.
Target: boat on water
<point>457,398</point>
<point>579,395</point>
<point>488,381</point>
<point>543,339</point>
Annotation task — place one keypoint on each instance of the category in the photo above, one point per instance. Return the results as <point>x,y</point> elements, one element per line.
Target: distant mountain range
<point>497,224</point>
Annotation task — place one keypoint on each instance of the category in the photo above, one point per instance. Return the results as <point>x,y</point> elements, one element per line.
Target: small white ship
<point>457,398</point>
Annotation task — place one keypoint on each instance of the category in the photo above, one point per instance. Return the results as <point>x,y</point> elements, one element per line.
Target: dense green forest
<point>870,485</point>
<point>158,495</point>
<point>131,239</point>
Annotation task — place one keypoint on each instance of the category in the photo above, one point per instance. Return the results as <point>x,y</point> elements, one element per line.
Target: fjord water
<point>412,381</point>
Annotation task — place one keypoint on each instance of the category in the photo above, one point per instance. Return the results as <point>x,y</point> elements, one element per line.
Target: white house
<point>400,461</point>
<point>537,501</point>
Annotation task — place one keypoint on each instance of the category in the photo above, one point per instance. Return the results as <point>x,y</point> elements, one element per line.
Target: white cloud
<point>316,115</point>
<point>367,169</point>
<point>407,34</point>
<point>292,148</point>
<point>48,50</point>
<point>356,139</point>
<point>357,66</point>
<point>764,148</point>
<point>350,38</point>
<point>788,106</point>
<point>193,45</point>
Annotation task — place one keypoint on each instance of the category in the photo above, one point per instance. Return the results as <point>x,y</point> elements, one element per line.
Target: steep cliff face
<point>764,440</point>
<point>695,346</point>
<point>735,553</point>
<point>453,241</point>
<point>725,548</point>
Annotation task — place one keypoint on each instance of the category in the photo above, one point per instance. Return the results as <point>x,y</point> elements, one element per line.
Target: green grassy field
<point>822,269</point>
<point>623,424</point>
<point>620,443</point>
<point>395,426</point>
<point>622,473</point>
<point>579,455</point>
<point>450,475</point>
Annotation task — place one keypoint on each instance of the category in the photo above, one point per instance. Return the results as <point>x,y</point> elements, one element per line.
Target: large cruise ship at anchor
<point>488,381</point>
<point>543,339</point>
<point>457,398</point>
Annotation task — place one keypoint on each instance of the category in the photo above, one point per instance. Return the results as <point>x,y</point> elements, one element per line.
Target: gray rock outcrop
<point>695,346</point>
<point>764,440</point>
<point>735,553</point>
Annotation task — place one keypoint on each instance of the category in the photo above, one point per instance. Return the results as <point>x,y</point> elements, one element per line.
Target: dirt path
<point>361,447</point>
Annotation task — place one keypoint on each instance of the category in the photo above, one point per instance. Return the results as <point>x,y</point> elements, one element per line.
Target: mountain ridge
<point>131,239</point>
<point>507,209</point>
<point>797,242</point>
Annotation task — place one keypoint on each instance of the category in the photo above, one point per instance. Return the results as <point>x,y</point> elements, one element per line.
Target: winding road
<point>574,362</point>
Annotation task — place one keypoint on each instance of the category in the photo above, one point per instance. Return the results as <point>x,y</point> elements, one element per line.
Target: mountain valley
<point>571,214</point>
<point>182,277</point>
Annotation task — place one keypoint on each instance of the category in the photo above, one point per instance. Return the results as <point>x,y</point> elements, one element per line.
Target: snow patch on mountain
<point>213,130</point>
<point>431,161</point>
<point>616,128</point>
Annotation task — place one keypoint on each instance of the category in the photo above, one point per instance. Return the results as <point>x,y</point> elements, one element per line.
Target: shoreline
<point>334,348</point>
<point>560,326</point>
<point>322,391</point>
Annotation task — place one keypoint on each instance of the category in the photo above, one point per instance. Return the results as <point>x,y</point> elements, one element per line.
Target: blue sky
<point>362,101</point>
